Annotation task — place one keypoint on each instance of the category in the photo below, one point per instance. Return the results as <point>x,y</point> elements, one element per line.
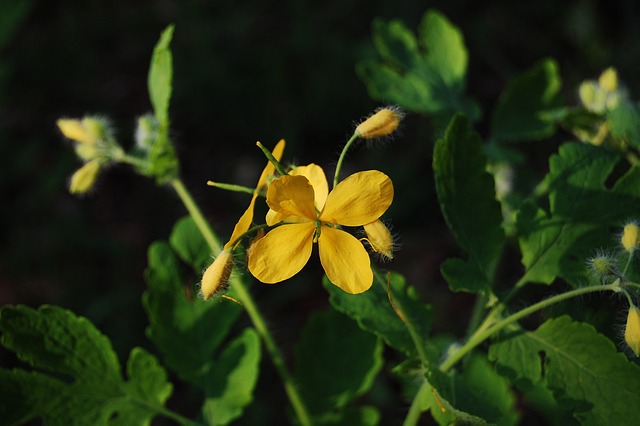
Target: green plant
<point>561,225</point>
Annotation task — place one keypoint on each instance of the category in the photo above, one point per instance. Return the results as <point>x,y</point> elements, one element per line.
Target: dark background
<point>243,71</point>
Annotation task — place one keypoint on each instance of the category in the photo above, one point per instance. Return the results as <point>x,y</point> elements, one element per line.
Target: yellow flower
<point>384,122</point>
<point>244,223</point>
<point>84,178</point>
<point>311,215</point>
<point>217,275</point>
<point>632,330</point>
<point>84,131</point>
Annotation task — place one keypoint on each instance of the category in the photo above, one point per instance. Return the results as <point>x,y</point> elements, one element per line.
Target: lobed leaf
<point>335,361</point>
<point>76,378</point>
<point>519,114</point>
<point>582,368</point>
<point>189,244</point>
<point>581,208</point>
<point>424,73</point>
<point>375,314</point>
<point>186,329</point>
<point>232,381</point>
<point>466,192</point>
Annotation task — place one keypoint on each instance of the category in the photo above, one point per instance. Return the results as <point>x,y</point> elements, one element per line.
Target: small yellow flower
<point>384,122</point>
<point>379,238</point>
<point>84,178</point>
<point>216,277</point>
<point>608,80</point>
<point>314,216</point>
<point>244,223</point>
<point>632,330</point>
<point>629,237</point>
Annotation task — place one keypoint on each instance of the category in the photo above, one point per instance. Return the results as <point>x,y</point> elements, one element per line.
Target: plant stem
<point>416,408</point>
<point>247,301</point>
<point>341,159</point>
<point>484,333</point>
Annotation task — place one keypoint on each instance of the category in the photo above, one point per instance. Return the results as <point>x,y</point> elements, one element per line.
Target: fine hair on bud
<point>215,278</point>
<point>629,236</point>
<point>603,266</point>
<point>380,239</point>
<point>382,123</point>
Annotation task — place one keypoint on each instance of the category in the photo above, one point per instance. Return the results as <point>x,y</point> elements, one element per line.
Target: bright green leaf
<point>558,243</point>
<point>424,73</point>
<point>83,384</point>
<point>187,241</point>
<point>161,76</point>
<point>581,367</point>
<point>374,312</point>
<point>466,192</point>
<point>519,114</point>
<point>233,378</point>
<point>335,361</point>
<point>186,329</point>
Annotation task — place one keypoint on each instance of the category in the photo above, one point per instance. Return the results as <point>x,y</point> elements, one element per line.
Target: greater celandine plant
<point>564,369</point>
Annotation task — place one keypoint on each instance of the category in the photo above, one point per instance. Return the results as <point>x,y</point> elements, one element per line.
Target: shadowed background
<point>243,71</point>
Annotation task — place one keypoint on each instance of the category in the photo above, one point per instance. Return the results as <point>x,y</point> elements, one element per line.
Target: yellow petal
<point>281,253</point>
<point>318,181</point>
<point>359,199</point>
<point>216,277</point>
<point>632,330</point>
<point>244,223</point>
<point>292,196</point>
<point>270,169</point>
<point>345,260</point>
<point>274,217</point>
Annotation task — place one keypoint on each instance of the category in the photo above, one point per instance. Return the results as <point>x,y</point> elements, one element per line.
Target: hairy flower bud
<point>608,80</point>
<point>77,131</point>
<point>629,237</point>
<point>84,178</point>
<point>382,123</point>
<point>216,277</point>
<point>603,265</point>
<point>379,238</point>
<point>632,330</point>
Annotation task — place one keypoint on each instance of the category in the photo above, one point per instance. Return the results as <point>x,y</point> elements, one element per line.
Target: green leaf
<point>519,113</point>
<point>335,361</point>
<point>581,209</point>
<point>187,241</point>
<point>233,379</point>
<point>424,74</point>
<point>186,329</point>
<point>374,312</point>
<point>350,416</point>
<point>76,378</point>
<point>625,123</point>
<point>581,367</point>
<point>161,76</point>
<point>466,192</point>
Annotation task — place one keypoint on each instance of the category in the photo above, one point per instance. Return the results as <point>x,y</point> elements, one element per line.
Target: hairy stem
<point>249,305</point>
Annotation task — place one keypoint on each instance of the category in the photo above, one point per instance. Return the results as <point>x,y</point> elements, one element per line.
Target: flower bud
<point>603,265</point>
<point>216,277</point>
<point>384,122</point>
<point>84,178</point>
<point>379,238</point>
<point>147,132</point>
<point>609,80</point>
<point>629,237</point>
<point>632,330</point>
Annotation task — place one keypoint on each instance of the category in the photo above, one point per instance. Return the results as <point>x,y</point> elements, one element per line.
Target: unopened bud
<point>380,238</point>
<point>632,330</point>
<point>147,132</point>
<point>609,80</point>
<point>603,265</point>
<point>629,237</point>
<point>216,277</point>
<point>384,122</point>
<point>84,178</point>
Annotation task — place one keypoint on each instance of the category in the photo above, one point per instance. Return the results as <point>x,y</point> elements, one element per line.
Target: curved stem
<point>484,333</point>
<point>343,154</point>
<point>416,408</point>
<point>249,305</point>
